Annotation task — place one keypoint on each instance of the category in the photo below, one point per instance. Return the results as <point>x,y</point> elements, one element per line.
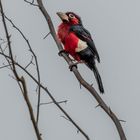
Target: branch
<point>31,3</point>
<point>78,75</point>
<point>5,66</point>
<point>36,63</point>
<point>50,95</point>
<point>25,94</point>
<point>65,101</point>
<point>20,81</point>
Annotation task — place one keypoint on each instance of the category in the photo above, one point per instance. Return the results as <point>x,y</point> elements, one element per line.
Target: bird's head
<point>69,18</point>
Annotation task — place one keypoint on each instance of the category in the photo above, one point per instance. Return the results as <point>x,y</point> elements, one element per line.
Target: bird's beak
<point>63,16</point>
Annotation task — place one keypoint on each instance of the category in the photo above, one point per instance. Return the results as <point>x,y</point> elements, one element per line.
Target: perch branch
<point>78,75</point>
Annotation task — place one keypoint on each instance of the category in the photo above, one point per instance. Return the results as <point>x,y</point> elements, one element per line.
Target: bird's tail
<point>93,67</point>
<point>98,79</point>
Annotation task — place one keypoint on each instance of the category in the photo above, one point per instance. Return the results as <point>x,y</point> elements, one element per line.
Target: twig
<point>65,118</point>
<point>31,62</point>
<point>5,66</point>
<point>20,81</point>
<point>31,3</point>
<point>65,101</point>
<point>25,94</point>
<point>46,35</point>
<point>78,75</point>
<point>36,62</point>
<point>50,95</point>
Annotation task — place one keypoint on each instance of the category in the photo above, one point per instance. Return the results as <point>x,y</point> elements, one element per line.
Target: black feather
<point>79,18</point>
<point>85,35</point>
<point>88,57</point>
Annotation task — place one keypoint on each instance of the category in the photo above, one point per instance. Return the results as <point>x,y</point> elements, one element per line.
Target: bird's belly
<point>81,45</point>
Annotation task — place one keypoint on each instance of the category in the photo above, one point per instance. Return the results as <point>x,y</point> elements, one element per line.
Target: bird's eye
<point>71,16</point>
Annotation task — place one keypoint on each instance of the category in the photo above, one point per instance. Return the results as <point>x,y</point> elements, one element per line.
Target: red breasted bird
<point>78,42</point>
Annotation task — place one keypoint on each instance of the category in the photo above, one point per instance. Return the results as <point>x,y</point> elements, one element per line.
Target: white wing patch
<point>81,45</point>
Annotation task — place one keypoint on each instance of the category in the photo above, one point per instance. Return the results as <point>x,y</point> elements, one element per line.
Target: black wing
<point>85,35</point>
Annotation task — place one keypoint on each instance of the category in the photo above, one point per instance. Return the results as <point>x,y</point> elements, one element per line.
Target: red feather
<point>69,40</point>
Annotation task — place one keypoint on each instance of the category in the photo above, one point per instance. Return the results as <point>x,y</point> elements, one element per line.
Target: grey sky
<point>114,26</point>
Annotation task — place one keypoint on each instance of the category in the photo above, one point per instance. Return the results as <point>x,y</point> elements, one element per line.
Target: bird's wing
<point>85,35</point>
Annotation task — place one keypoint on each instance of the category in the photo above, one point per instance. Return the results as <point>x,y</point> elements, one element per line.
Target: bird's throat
<point>63,31</point>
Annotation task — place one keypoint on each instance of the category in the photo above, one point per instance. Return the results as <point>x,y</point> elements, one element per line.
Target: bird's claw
<point>75,64</point>
<point>72,65</point>
<point>62,51</point>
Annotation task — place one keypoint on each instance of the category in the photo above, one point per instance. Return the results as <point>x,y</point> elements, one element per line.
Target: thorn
<point>77,131</point>
<point>9,36</point>
<point>92,84</point>
<point>122,121</point>
<point>46,35</point>
<point>65,118</point>
<point>80,85</point>
<point>97,106</point>
<point>109,109</point>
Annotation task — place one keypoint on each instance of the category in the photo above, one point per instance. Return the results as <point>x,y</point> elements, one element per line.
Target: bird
<point>78,42</point>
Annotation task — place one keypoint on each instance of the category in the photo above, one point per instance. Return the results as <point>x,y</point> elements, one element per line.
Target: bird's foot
<point>62,51</point>
<point>75,64</point>
<point>72,65</point>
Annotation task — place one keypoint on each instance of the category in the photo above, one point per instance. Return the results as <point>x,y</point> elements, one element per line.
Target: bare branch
<point>31,62</point>
<point>20,81</point>
<point>78,75</point>
<point>25,94</point>
<point>50,95</point>
<point>5,66</point>
<point>31,3</point>
<point>65,101</point>
<point>36,63</point>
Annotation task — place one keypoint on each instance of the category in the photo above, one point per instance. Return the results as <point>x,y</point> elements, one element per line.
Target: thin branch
<point>25,94</point>
<point>44,88</point>
<point>50,95</point>
<point>78,75</point>
<point>18,79</point>
<point>5,66</point>
<point>31,62</point>
<point>36,63</point>
<point>46,35</point>
<point>31,3</point>
<point>65,101</point>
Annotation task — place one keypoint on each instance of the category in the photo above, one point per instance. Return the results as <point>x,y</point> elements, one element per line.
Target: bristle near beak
<point>63,16</point>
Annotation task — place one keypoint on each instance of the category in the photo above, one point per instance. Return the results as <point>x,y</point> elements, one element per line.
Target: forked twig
<point>36,62</point>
